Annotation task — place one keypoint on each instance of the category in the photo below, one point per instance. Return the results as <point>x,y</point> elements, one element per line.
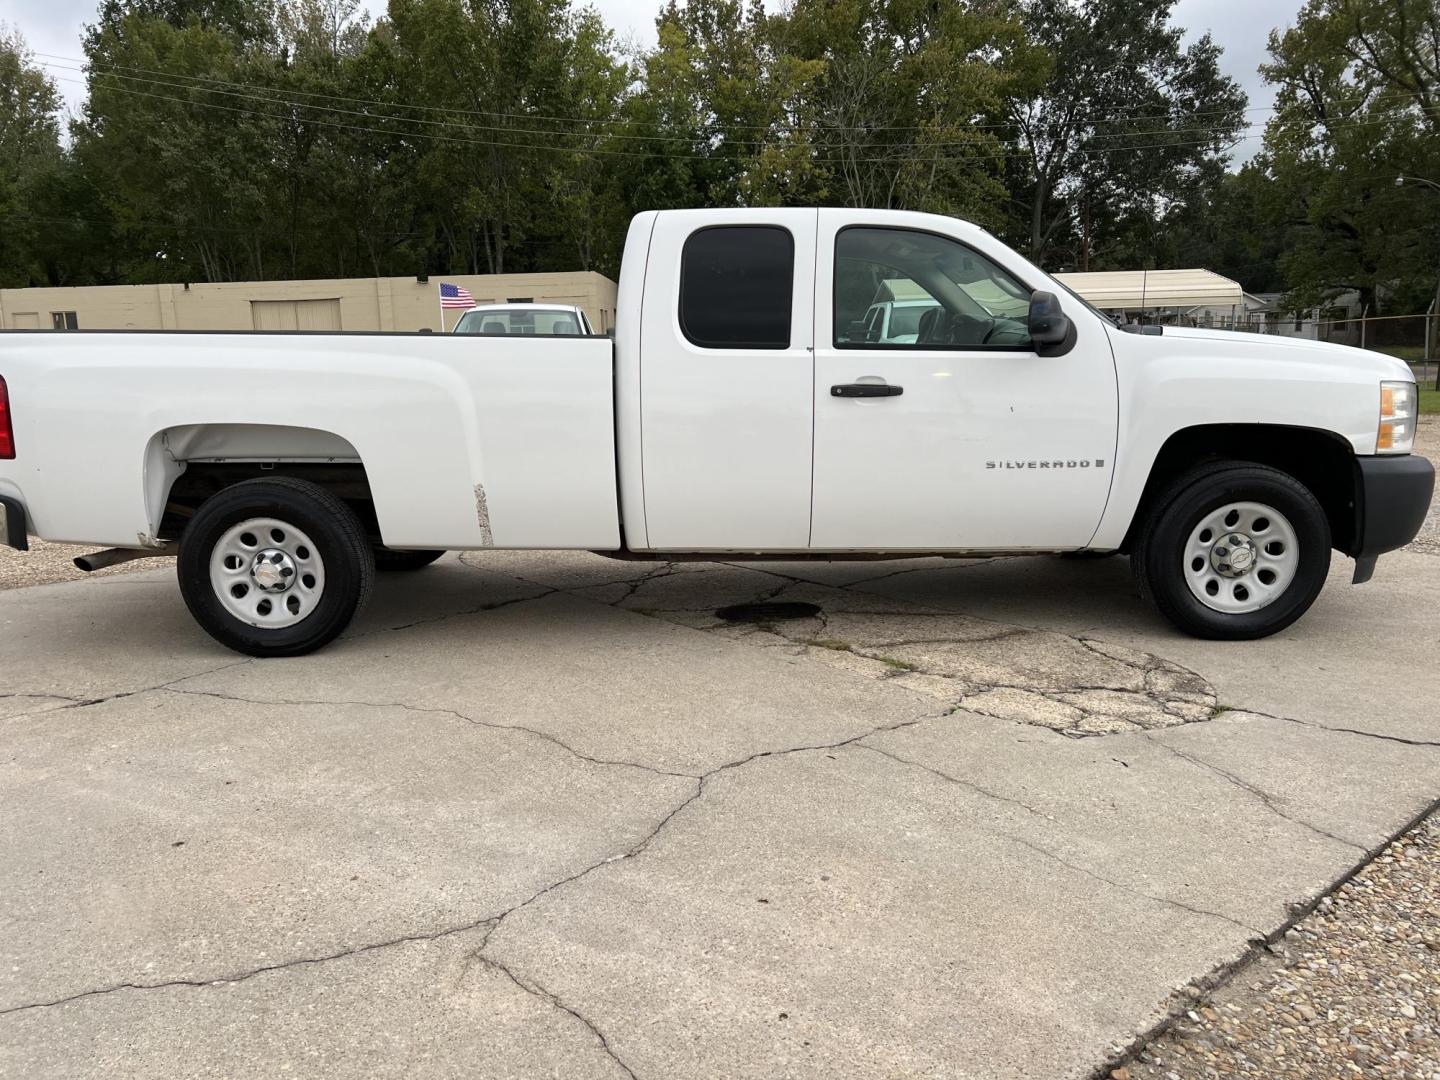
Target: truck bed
<point>465,441</point>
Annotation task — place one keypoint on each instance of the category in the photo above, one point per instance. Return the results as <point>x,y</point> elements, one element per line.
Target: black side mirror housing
<point>1051,331</point>
<point>1048,325</point>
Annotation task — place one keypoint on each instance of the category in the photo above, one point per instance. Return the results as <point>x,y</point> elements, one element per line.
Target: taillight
<point>7,430</point>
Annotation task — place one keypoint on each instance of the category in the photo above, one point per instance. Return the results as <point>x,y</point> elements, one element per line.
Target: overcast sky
<point>1240,26</point>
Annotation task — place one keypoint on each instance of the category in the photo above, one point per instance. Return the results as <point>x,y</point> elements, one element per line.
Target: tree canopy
<point>242,139</point>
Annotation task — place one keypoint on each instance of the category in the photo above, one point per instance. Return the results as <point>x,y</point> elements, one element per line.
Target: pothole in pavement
<point>1072,684</point>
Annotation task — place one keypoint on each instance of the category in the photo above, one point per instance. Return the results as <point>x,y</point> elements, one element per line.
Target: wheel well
<point>202,479</point>
<point>1321,460</point>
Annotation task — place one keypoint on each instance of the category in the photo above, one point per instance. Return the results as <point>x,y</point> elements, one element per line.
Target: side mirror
<point>857,331</point>
<point>1048,325</point>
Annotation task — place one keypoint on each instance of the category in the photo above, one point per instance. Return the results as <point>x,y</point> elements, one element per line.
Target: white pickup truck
<point>741,411</point>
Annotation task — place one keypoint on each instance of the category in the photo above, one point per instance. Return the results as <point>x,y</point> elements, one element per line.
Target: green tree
<point>1127,124</point>
<point>515,77</point>
<point>1227,227</point>
<point>1356,113</point>
<point>30,156</point>
<point>177,152</point>
<point>906,96</point>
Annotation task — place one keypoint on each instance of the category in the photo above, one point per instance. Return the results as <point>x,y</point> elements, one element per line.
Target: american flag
<point>453,296</point>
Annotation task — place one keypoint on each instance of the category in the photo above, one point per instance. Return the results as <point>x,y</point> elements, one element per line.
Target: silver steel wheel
<point>1241,557</point>
<point>267,573</point>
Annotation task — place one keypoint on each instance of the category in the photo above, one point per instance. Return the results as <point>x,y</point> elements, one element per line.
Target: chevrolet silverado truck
<point>741,412</point>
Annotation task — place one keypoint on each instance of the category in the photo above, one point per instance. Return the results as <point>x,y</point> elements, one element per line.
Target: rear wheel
<point>387,559</point>
<point>1234,551</point>
<point>274,567</point>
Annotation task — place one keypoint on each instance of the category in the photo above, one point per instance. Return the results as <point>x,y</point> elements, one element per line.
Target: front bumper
<point>12,524</point>
<point>1392,496</point>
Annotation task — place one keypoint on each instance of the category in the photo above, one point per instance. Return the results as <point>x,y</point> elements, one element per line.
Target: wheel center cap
<point>272,570</point>
<point>1233,555</point>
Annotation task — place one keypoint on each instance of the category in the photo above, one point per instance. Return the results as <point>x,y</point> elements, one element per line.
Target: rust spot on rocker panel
<point>482,514</point>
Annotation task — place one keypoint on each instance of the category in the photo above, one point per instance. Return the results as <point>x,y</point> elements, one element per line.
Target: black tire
<point>334,530</point>
<point>388,559</point>
<point>1160,550</point>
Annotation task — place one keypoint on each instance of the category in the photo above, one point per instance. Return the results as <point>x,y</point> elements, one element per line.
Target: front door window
<point>939,293</point>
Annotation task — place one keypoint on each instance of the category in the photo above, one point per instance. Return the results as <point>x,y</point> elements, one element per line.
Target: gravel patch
<point>46,562</point>
<point>1427,443</point>
<point>1352,990</point>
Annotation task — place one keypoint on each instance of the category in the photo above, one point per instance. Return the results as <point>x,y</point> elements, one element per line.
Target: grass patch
<point>1429,402</point>
<point>833,644</point>
<point>896,662</point>
<point>1412,353</point>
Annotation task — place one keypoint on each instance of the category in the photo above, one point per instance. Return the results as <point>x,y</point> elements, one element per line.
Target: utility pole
<point>1085,246</point>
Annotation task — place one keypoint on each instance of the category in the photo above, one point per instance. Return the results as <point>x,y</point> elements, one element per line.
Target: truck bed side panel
<point>467,442</point>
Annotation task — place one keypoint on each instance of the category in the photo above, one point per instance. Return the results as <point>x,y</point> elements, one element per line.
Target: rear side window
<point>736,284</point>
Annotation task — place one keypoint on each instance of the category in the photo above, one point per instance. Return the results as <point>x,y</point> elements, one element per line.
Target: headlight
<point>1396,434</point>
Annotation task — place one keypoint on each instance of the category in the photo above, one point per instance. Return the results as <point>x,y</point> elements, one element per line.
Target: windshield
<point>518,321</point>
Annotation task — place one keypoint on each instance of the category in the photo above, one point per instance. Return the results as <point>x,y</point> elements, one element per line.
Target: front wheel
<point>274,567</point>
<point>1234,551</point>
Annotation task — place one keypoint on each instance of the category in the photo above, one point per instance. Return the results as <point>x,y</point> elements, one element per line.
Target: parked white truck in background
<point>525,320</point>
<point>740,412</point>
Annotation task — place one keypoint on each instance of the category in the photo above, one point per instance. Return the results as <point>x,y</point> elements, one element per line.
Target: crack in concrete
<point>1058,697</point>
<point>479,609</point>
<point>85,703</point>
<point>702,782</point>
<point>483,955</point>
<point>495,921</point>
<point>248,973</point>
<point>1001,635</point>
<point>1169,901</point>
<point>1046,852</point>
<point>1341,730</point>
<point>433,710</point>
<point>967,784</point>
<point>537,991</point>
<point>1218,977</point>
<point>1091,721</point>
<point>1265,798</point>
<point>952,564</point>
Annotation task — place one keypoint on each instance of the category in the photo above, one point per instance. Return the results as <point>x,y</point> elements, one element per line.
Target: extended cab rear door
<point>727,380</point>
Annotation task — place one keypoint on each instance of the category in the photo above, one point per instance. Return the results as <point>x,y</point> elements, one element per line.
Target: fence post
<point>1364,317</point>
<point>1430,313</point>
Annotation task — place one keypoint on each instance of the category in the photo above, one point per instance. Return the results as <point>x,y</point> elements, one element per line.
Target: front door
<point>727,381</point>
<point>962,436</point>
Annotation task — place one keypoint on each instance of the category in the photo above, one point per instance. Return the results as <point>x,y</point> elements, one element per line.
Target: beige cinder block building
<point>386,304</point>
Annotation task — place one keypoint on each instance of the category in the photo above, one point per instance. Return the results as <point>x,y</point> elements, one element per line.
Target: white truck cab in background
<point>744,409</point>
<point>542,320</point>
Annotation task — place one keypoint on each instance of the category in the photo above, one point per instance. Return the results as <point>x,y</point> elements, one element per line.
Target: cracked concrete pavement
<point>544,814</point>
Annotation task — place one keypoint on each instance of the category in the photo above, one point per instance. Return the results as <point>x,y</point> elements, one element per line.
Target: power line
<point>277,96</point>
<point>995,153</point>
<point>111,68</point>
